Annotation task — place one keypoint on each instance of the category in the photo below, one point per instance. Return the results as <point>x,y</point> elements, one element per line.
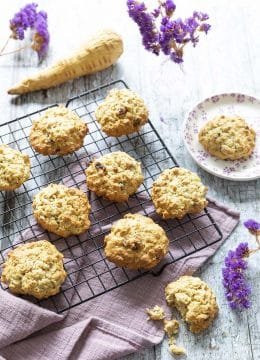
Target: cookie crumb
<point>156,313</point>
<point>171,327</point>
<point>174,349</point>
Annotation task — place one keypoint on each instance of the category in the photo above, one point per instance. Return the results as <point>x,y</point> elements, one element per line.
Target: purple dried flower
<point>172,35</point>
<point>169,7</point>
<point>23,20</point>
<point>156,12</point>
<point>200,16</point>
<point>237,290</point>
<point>253,226</point>
<point>41,36</point>
<point>146,23</point>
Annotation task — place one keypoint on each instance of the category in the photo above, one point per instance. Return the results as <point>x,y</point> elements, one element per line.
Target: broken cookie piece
<point>174,349</point>
<point>155,313</point>
<point>195,300</point>
<point>171,327</point>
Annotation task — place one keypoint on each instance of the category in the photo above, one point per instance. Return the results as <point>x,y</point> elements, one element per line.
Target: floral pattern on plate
<point>245,106</point>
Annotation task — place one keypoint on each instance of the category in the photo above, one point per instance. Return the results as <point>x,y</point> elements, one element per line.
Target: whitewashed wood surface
<point>227,60</point>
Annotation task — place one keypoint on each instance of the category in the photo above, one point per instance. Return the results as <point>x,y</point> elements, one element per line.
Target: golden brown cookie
<point>122,112</point>
<point>14,168</point>
<point>178,192</point>
<point>34,268</point>
<point>194,299</point>
<point>62,210</point>
<point>136,242</point>
<point>115,176</point>
<point>228,138</point>
<point>59,131</point>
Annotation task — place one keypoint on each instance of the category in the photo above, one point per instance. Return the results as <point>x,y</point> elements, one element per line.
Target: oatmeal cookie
<point>115,176</point>
<point>34,268</point>
<point>62,210</point>
<point>14,168</point>
<point>59,131</point>
<point>122,112</point>
<point>228,138</point>
<point>194,299</point>
<point>136,242</point>
<point>178,192</point>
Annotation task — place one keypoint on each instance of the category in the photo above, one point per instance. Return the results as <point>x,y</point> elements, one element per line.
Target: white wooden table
<point>228,60</point>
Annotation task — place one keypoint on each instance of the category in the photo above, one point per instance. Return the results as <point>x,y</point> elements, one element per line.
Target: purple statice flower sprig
<point>253,226</point>
<point>237,288</point>
<point>161,33</point>
<point>28,18</point>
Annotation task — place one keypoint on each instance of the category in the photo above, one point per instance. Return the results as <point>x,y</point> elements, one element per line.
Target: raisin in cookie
<point>34,268</point>
<point>228,138</point>
<point>14,168</point>
<point>115,176</point>
<point>136,242</point>
<point>59,131</point>
<point>194,299</point>
<point>62,210</point>
<point>178,192</point>
<point>122,112</point>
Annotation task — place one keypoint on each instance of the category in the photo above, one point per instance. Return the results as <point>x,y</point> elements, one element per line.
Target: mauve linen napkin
<point>109,326</point>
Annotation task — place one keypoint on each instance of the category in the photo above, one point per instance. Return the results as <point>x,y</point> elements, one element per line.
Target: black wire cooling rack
<point>89,273</point>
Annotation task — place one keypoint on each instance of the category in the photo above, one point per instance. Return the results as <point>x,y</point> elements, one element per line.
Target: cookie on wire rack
<point>59,131</point>
<point>34,268</point>
<point>14,168</point>
<point>136,242</point>
<point>123,112</point>
<point>62,210</point>
<point>114,176</point>
<point>178,192</point>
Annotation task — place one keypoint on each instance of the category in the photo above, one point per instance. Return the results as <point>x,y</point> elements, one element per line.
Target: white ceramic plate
<point>245,106</point>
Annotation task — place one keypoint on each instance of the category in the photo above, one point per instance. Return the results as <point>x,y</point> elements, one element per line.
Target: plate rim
<point>226,177</point>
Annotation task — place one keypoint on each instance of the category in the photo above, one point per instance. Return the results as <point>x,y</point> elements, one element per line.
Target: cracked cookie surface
<point>62,210</point>
<point>59,131</point>
<point>115,176</point>
<point>195,300</point>
<point>228,138</point>
<point>122,112</point>
<point>14,168</point>
<point>136,242</point>
<point>178,192</point>
<point>34,268</point>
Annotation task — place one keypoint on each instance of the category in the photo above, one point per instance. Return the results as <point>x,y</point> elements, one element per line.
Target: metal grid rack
<point>89,273</point>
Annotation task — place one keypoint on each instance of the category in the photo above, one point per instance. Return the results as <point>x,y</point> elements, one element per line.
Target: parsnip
<point>99,53</point>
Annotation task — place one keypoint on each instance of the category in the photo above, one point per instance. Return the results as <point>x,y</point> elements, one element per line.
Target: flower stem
<point>5,44</point>
<point>15,51</point>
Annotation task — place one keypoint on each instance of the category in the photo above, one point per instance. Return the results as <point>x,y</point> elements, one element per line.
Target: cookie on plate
<point>115,176</point>
<point>228,138</point>
<point>34,268</point>
<point>195,300</point>
<point>62,210</point>
<point>123,112</point>
<point>14,168</point>
<point>178,192</point>
<point>136,242</point>
<point>59,131</point>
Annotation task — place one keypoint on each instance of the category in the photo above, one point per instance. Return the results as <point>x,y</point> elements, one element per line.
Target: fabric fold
<point>109,326</point>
